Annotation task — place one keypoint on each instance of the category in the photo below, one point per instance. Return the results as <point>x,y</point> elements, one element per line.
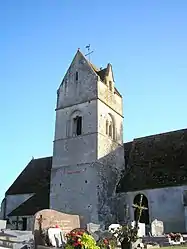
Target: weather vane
<point>88,54</point>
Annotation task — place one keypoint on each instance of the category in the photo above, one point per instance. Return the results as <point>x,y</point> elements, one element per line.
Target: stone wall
<point>108,170</point>
<point>72,91</point>
<point>112,100</point>
<point>102,114</point>
<point>83,147</point>
<point>73,190</point>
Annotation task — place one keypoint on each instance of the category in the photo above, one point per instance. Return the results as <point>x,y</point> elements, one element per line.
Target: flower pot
<point>126,244</point>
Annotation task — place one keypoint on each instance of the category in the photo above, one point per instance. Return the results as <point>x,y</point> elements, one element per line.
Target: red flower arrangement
<point>105,241</point>
<point>174,236</point>
<point>74,239</point>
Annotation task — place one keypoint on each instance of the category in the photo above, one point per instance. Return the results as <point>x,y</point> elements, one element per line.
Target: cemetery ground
<point>53,229</point>
<point>175,247</point>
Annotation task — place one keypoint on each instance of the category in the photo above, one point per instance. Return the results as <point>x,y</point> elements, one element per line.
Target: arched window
<point>76,123</point>
<point>110,126</point>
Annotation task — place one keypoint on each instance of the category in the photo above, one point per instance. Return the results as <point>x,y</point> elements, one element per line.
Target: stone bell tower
<point>88,144</point>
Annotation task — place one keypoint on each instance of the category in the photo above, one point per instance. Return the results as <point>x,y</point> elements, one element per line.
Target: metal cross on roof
<point>88,54</point>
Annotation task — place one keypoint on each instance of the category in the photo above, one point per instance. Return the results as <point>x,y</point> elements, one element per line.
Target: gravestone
<point>157,228</point>
<point>92,227</point>
<point>49,218</point>
<point>141,229</point>
<point>3,224</point>
<point>16,239</point>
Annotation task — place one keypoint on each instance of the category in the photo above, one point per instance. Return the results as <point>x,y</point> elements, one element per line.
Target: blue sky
<point>146,42</point>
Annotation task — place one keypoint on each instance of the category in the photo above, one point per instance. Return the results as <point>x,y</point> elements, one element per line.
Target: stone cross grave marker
<point>157,228</point>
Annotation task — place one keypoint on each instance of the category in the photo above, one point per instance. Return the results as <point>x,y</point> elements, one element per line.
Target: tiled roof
<point>127,150</point>
<point>34,177</point>
<point>102,74</point>
<point>34,204</point>
<point>93,67</point>
<point>155,161</point>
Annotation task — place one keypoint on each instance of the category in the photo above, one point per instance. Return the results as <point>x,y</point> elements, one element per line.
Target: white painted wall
<point>2,209</point>
<point>165,204</point>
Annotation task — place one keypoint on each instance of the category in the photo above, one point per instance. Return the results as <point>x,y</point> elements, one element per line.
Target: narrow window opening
<point>77,125</point>
<point>65,87</point>
<point>106,127</point>
<point>110,85</point>
<point>110,130</point>
<point>76,76</point>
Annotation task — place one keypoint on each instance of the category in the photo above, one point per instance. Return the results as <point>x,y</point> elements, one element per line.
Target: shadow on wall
<point>109,170</point>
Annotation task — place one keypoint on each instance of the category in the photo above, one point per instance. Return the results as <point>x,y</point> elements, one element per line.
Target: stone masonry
<point>86,167</point>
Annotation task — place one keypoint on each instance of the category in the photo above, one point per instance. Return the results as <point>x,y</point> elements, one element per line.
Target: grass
<point>175,247</point>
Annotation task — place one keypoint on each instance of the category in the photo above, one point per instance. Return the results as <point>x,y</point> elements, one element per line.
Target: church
<point>94,174</point>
